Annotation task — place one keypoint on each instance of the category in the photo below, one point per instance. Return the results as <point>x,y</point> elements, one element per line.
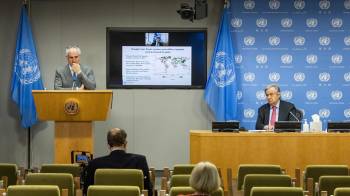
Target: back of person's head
<point>205,178</point>
<point>116,137</point>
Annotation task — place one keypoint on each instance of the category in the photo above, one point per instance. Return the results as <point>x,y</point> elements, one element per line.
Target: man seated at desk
<point>275,109</point>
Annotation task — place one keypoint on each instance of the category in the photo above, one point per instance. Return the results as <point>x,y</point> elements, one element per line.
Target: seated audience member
<point>204,179</point>
<point>275,109</point>
<point>118,158</point>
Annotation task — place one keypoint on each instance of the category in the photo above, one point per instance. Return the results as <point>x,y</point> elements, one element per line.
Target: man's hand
<point>271,128</point>
<point>81,87</point>
<point>76,68</point>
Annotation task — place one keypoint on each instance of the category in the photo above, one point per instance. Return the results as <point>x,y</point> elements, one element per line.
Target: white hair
<point>205,178</point>
<point>73,48</point>
<point>275,86</point>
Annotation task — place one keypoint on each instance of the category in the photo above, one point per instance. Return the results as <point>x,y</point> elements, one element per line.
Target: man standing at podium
<point>275,110</point>
<point>74,75</point>
<point>119,159</point>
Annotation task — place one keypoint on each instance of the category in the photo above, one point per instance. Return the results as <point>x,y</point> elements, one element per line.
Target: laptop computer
<point>231,126</point>
<point>287,126</point>
<point>342,127</point>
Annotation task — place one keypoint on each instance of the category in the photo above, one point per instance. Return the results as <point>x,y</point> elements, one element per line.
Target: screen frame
<point>110,85</point>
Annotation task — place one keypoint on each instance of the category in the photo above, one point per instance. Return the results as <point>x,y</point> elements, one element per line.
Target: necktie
<point>74,76</point>
<point>273,116</point>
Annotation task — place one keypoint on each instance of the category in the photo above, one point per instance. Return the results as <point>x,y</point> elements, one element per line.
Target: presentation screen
<point>156,58</point>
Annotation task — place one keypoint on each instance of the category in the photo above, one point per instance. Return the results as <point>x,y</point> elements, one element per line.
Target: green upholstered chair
<point>183,169</point>
<point>312,174</point>
<point>342,191</point>
<point>245,169</point>
<point>180,180</point>
<point>121,177</point>
<point>61,168</point>
<point>63,180</point>
<point>10,171</point>
<point>184,190</point>
<point>33,190</point>
<point>265,180</point>
<point>329,183</point>
<point>73,169</point>
<point>100,190</point>
<point>276,191</point>
<point>174,191</point>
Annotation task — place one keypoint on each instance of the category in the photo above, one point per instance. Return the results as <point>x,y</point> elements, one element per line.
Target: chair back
<point>183,169</point>
<point>61,168</point>
<point>315,171</point>
<point>10,171</point>
<point>100,190</point>
<point>63,181</point>
<point>265,180</point>
<point>33,190</point>
<point>277,191</point>
<point>184,190</point>
<point>180,180</point>
<point>329,183</point>
<point>245,169</point>
<point>342,192</point>
<point>178,190</point>
<point>121,177</point>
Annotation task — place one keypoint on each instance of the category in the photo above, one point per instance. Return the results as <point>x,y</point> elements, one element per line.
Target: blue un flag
<point>26,73</point>
<point>221,88</point>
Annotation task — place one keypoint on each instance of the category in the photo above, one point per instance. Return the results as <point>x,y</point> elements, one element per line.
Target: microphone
<point>290,112</point>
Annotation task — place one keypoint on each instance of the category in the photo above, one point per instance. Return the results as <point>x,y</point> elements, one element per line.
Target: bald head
<point>116,137</point>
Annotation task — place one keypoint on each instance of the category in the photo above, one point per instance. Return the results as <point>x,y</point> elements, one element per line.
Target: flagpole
<point>29,148</point>
<point>26,5</point>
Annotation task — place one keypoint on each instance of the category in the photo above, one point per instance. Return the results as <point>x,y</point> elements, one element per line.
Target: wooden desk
<point>290,150</point>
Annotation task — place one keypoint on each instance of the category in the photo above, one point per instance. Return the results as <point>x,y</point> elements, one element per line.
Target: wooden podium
<point>73,113</point>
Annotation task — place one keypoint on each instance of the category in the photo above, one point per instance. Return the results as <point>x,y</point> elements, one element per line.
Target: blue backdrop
<point>302,45</point>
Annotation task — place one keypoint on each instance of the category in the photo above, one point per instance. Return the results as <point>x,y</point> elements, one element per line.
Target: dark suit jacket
<point>119,159</point>
<point>64,78</point>
<point>283,115</point>
<point>154,43</point>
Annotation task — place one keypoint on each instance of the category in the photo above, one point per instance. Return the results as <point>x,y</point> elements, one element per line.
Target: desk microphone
<point>294,116</point>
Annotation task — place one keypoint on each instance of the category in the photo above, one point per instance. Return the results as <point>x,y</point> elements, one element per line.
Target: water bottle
<point>305,126</point>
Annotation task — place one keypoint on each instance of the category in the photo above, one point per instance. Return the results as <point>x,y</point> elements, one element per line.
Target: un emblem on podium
<point>71,106</point>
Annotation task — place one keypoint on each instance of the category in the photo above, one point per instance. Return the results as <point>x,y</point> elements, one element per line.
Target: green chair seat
<point>121,177</point>
<point>183,169</point>
<point>245,169</point>
<point>61,168</point>
<point>63,181</point>
<point>265,180</point>
<point>33,190</point>
<point>100,190</point>
<point>9,170</point>
<point>315,171</point>
<point>342,192</point>
<point>277,191</point>
<point>180,180</point>
<point>330,183</point>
